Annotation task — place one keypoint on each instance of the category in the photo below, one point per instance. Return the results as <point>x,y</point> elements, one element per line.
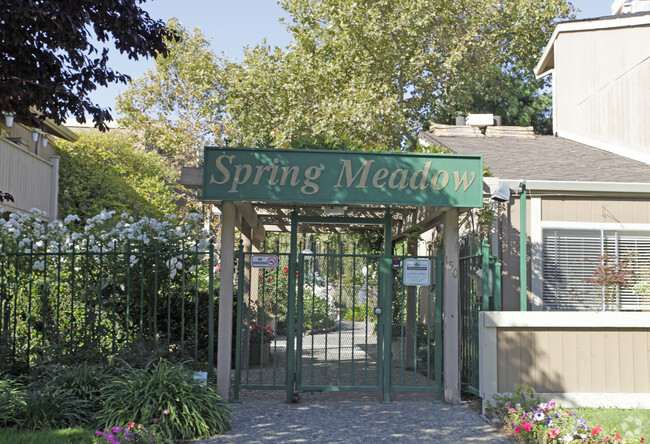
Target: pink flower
<point>617,437</point>
<point>527,426</point>
<point>155,420</point>
<point>165,412</point>
<point>98,433</point>
<point>517,429</point>
<point>130,425</point>
<point>512,410</point>
<point>596,430</point>
<point>553,433</point>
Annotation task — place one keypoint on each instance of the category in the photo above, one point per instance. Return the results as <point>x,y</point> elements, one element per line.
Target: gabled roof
<point>547,63</point>
<point>546,158</point>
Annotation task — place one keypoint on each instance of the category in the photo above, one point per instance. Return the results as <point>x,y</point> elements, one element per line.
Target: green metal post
<point>240,320</point>
<point>496,286</point>
<point>387,305</point>
<point>210,313</point>
<point>291,312</point>
<point>485,267</point>
<point>523,256</point>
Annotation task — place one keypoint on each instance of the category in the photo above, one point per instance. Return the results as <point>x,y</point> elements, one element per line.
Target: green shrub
<point>12,402</point>
<point>524,396</point>
<point>75,435</point>
<point>52,408</point>
<point>85,384</point>
<point>359,313</point>
<point>314,313</point>
<point>193,410</point>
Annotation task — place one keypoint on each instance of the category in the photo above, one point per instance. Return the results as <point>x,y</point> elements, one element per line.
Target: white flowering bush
<point>103,282</point>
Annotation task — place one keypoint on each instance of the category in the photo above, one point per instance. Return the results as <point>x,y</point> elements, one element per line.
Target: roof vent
<point>480,120</point>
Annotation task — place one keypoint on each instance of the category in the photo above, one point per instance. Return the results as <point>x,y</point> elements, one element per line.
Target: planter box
<point>255,356</point>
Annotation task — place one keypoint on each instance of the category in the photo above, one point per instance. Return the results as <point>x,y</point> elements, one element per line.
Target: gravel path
<point>264,417</point>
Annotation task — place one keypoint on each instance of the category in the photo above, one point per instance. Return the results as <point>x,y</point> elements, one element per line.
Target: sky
<point>233,24</point>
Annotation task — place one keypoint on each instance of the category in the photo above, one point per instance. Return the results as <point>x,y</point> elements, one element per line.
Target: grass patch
<point>636,421</point>
<point>75,435</point>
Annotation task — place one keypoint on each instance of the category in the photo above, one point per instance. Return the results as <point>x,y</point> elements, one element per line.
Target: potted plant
<point>9,119</point>
<point>259,348</point>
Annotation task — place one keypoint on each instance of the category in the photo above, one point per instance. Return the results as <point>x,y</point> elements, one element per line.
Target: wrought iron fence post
<point>210,313</point>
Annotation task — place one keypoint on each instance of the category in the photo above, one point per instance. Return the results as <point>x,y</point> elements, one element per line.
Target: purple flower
<point>538,416</point>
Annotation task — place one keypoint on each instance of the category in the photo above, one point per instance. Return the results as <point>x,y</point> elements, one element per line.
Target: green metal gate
<point>480,290</point>
<point>339,342</point>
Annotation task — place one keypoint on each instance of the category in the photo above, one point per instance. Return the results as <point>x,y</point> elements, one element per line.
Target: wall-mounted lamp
<point>502,193</point>
<point>44,141</point>
<point>35,135</point>
<point>9,120</point>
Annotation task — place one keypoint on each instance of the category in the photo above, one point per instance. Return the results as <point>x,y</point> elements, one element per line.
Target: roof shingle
<point>546,158</point>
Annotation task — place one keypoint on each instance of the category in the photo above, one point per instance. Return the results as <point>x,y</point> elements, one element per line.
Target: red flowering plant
<point>259,333</point>
<point>612,274</point>
<point>550,423</point>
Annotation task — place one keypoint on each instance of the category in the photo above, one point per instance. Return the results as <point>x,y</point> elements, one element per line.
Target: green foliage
<point>315,314</point>
<point>194,410</point>
<point>177,107</point>
<point>76,435</point>
<point>13,396</point>
<point>52,407</point>
<point>107,171</point>
<point>624,421</point>
<point>359,313</point>
<point>374,71</point>
<point>525,396</point>
<point>62,62</point>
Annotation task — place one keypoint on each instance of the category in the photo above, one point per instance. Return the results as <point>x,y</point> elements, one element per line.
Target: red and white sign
<point>264,261</point>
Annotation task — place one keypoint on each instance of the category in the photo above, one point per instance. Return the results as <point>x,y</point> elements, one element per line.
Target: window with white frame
<point>570,258</point>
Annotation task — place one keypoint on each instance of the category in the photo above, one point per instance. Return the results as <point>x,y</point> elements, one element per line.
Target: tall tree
<point>49,65</point>
<point>176,108</point>
<point>377,70</point>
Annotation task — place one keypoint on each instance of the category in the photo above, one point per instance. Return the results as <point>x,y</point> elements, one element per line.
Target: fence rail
<point>106,301</point>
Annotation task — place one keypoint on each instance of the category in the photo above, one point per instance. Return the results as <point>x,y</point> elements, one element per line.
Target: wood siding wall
<point>585,209</point>
<point>582,360</point>
<point>600,85</point>
<point>509,222</point>
<point>25,176</point>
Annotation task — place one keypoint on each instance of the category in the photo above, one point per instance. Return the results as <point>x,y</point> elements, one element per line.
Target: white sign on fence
<point>417,272</point>
<point>264,261</point>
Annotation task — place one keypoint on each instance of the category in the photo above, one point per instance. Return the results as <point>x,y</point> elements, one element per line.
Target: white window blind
<point>570,258</point>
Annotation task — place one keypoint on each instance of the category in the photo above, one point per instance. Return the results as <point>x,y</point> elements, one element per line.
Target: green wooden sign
<point>342,177</point>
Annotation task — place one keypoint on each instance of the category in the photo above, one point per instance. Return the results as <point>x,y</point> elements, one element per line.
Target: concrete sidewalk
<point>339,417</point>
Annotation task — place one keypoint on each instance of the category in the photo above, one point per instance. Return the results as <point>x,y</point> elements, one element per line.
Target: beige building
<point>29,167</point>
<point>601,72</point>
<point>587,195</point>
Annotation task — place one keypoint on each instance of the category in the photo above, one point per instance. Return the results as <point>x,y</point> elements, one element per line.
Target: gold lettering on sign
<point>436,178</point>
<point>403,183</point>
<point>311,173</point>
<point>379,179</point>
<point>463,180</point>
<point>347,169</point>
<point>424,175</point>
<point>222,169</point>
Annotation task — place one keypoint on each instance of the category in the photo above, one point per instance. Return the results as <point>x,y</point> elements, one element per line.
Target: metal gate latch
<point>377,310</point>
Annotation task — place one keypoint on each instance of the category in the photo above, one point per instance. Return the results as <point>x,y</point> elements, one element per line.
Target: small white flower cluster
<point>106,232</point>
